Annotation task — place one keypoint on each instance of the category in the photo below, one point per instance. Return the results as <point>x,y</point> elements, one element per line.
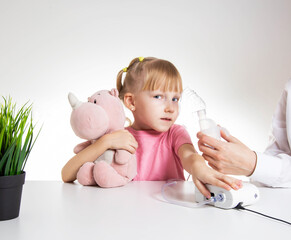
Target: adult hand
<point>230,157</point>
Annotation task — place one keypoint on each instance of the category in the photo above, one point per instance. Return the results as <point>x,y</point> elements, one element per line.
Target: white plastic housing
<point>247,195</point>
<point>210,128</point>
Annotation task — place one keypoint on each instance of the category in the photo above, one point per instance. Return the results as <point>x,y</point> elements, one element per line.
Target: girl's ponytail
<point>119,85</point>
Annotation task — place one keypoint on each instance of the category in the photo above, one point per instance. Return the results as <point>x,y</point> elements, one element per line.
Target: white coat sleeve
<point>274,165</point>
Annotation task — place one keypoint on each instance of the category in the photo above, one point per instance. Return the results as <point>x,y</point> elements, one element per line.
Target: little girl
<point>151,90</point>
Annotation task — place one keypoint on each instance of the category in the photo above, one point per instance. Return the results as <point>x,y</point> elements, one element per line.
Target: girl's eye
<point>158,97</point>
<point>175,99</point>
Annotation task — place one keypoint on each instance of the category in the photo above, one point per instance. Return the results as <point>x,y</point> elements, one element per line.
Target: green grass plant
<point>16,137</point>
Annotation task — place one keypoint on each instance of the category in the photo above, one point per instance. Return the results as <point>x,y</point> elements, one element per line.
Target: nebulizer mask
<point>197,105</point>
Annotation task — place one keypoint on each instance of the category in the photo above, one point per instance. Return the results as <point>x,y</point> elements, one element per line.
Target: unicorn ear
<point>75,103</point>
<point>114,92</point>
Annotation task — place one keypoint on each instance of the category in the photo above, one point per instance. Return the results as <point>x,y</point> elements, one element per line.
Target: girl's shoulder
<point>177,127</point>
<point>177,130</point>
<point>179,136</point>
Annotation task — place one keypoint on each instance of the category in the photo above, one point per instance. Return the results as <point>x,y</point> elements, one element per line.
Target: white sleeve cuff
<point>268,170</point>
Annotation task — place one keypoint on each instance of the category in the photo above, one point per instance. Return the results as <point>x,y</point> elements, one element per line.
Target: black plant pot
<point>10,195</point>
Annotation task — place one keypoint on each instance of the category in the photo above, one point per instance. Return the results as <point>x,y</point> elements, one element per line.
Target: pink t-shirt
<point>157,153</point>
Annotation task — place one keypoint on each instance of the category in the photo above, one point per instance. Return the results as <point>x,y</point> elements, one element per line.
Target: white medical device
<point>207,125</point>
<point>247,195</point>
<point>221,198</point>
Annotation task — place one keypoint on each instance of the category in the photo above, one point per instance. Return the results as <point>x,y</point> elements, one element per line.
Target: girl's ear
<point>129,101</point>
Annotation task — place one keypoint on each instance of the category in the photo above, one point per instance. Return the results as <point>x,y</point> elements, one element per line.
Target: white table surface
<point>56,210</point>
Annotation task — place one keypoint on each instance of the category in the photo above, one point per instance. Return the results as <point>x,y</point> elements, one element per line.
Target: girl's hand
<point>202,174</point>
<point>121,139</point>
<point>195,164</point>
<point>117,140</point>
<point>230,157</point>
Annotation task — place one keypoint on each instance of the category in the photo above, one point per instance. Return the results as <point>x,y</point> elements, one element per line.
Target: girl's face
<point>155,110</point>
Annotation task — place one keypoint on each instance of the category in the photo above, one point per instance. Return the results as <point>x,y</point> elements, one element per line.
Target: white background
<point>235,54</point>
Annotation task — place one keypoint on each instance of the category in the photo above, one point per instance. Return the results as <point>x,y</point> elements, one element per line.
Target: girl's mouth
<point>166,119</point>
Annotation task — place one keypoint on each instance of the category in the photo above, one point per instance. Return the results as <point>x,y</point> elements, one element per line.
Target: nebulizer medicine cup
<point>210,128</point>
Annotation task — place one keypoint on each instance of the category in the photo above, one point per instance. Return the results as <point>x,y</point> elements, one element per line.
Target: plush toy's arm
<point>81,146</point>
<point>122,156</point>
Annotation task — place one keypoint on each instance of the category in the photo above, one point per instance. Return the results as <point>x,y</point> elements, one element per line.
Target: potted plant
<point>16,142</point>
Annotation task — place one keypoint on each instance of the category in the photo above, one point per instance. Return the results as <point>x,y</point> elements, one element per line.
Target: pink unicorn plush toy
<point>103,113</point>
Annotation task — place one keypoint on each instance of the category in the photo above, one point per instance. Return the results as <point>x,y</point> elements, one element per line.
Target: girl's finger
<point>201,187</point>
<point>131,149</point>
<point>233,182</point>
<point>219,183</point>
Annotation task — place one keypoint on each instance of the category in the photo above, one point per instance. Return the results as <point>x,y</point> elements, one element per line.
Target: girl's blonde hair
<point>149,74</point>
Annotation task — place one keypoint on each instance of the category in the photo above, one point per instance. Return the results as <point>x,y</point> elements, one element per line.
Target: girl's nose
<point>169,107</point>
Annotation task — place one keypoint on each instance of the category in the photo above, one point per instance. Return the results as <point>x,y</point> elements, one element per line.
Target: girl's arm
<point>195,164</point>
<point>117,140</point>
